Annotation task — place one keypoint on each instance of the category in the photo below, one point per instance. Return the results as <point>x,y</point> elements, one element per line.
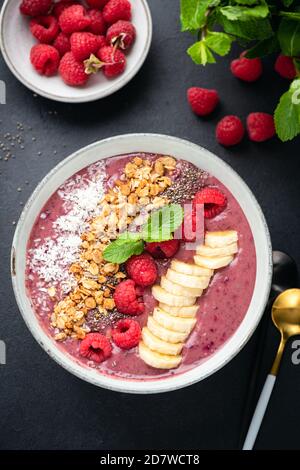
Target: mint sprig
<point>159,227</point>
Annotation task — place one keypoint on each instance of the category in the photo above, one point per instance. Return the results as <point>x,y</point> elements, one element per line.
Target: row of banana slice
<point>175,317</point>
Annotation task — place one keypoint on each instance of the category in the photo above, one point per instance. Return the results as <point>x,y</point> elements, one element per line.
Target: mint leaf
<point>120,250</point>
<point>200,53</point>
<point>263,48</point>
<point>251,30</point>
<point>162,223</point>
<point>193,14</point>
<point>287,3</point>
<point>244,13</point>
<point>293,15</point>
<point>287,115</point>
<point>219,42</point>
<point>247,2</point>
<point>289,37</point>
<point>133,236</point>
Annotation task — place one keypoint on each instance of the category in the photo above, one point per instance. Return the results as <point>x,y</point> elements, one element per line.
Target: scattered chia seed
<point>99,322</point>
<point>187,180</point>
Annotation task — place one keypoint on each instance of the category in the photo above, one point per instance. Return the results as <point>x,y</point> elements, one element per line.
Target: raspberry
<point>126,334</point>
<point>95,347</point>
<point>98,25</point>
<point>188,234</point>
<point>61,6</point>
<point>230,131</point>
<point>142,269</point>
<point>44,28</point>
<point>74,19</point>
<point>116,10</point>
<point>284,65</point>
<point>114,61</point>
<point>128,299</point>
<point>35,7</point>
<point>213,199</point>
<point>165,249</point>
<point>202,100</point>
<point>248,70</point>
<point>83,45</point>
<point>62,44</point>
<point>260,126</point>
<point>45,59</point>
<point>121,33</point>
<point>72,71</point>
<point>97,3</point>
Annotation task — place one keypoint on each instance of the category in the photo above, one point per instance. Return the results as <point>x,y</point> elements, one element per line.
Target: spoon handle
<point>259,412</point>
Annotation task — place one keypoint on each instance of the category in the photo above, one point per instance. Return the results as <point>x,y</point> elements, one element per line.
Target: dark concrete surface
<point>44,407</point>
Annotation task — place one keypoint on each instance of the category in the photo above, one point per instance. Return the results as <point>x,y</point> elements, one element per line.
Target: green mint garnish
<point>159,227</point>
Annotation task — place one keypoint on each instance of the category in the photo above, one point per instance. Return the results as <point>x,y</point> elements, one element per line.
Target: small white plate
<point>16,41</point>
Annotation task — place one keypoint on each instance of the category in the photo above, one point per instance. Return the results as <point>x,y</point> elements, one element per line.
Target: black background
<point>44,407</point>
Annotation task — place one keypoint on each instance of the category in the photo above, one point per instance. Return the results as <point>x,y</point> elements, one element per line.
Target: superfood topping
<point>35,7</point>
<point>165,249</point>
<point>260,126</point>
<point>95,347</point>
<point>122,34</point>
<point>213,199</point>
<point>44,28</point>
<point>248,70</point>
<point>173,325</point>
<point>128,298</point>
<point>202,100</point>
<point>74,19</point>
<point>45,59</point>
<point>187,180</point>
<point>126,333</point>
<point>285,67</point>
<point>116,10</point>
<point>230,131</point>
<point>142,270</point>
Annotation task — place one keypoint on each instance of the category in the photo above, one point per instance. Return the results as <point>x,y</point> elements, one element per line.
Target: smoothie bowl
<point>142,263</point>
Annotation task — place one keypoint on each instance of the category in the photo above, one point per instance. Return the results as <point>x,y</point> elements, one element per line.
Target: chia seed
<point>187,180</point>
<point>99,322</point>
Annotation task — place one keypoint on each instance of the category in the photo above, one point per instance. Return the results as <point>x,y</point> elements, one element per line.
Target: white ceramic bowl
<point>163,145</point>
<point>16,41</point>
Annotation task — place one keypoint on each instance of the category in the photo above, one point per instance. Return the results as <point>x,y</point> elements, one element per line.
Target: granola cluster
<point>128,203</point>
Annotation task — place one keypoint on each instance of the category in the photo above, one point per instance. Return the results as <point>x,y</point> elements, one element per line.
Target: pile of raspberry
<point>230,129</point>
<point>77,40</point>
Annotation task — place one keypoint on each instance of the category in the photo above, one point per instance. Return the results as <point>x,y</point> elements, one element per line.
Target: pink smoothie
<point>222,306</point>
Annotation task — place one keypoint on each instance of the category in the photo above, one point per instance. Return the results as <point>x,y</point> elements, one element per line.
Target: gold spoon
<point>286,318</point>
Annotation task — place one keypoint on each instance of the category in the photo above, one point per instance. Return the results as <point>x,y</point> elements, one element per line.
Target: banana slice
<point>205,250</point>
<point>157,360</point>
<point>185,312</point>
<point>195,282</point>
<point>177,289</point>
<point>213,263</point>
<point>179,324</point>
<point>163,333</point>
<point>158,345</point>
<point>218,239</point>
<point>190,268</point>
<point>165,297</point>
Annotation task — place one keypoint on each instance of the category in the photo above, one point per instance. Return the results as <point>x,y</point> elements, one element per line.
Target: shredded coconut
<point>80,196</point>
